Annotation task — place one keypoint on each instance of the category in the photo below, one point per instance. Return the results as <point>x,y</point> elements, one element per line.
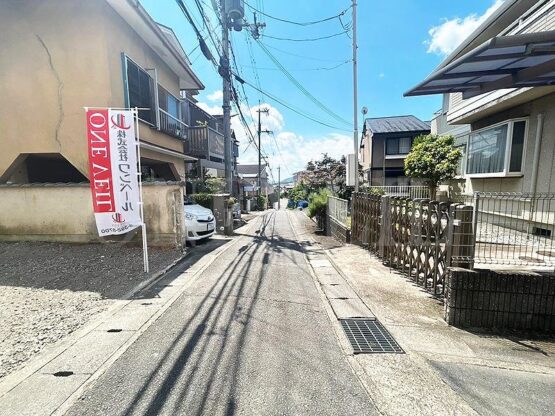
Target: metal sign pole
<point>141,205</point>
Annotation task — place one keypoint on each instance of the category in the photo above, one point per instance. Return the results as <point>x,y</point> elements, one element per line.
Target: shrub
<point>261,203</point>
<point>203,199</point>
<point>318,203</point>
<point>377,191</point>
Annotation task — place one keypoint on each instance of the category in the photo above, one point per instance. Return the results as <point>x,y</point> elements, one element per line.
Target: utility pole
<point>226,106</point>
<point>355,92</point>
<point>260,131</point>
<point>279,188</point>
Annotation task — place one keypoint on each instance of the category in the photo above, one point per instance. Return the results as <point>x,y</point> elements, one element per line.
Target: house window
<point>140,90</point>
<point>398,146</point>
<point>497,150</point>
<point>461,143</point>
<point>169,103</point>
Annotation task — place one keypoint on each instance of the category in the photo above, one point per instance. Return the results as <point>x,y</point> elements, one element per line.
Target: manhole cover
<point>369,336</point>
<point>63,374</point>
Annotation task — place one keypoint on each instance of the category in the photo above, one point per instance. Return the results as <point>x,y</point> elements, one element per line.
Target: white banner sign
<point>113,170</point>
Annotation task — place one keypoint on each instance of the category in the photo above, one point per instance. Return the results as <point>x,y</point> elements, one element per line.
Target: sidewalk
<point>444,370</point>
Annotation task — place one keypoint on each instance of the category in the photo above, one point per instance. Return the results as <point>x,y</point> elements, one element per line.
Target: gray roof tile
<point>396,124</point>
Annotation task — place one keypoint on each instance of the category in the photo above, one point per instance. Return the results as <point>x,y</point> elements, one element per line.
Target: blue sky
<point>400,43</point>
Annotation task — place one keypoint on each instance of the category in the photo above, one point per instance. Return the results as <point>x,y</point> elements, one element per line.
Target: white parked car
<point>199,221</point>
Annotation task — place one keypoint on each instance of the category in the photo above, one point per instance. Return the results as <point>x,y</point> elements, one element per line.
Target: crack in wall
<point>60,92</point>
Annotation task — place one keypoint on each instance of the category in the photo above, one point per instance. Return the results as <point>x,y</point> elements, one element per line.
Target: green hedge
<point>261,203</point>
<point>318,203</point>
<point>204,200</point>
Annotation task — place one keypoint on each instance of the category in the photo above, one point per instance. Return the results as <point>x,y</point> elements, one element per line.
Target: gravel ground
<point>49,290</point>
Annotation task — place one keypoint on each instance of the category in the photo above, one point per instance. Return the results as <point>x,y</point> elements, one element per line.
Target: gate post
<point>385,225</point>
<point>462,237</point>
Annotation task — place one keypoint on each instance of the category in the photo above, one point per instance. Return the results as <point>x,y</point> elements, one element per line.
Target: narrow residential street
<point>251,336</point>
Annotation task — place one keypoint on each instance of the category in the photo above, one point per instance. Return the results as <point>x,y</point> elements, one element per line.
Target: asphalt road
<point>250,337</point>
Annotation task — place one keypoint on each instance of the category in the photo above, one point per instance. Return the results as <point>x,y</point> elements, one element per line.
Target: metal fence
<point>514,228</point>
<point>366,220</point>
<point>417,236</point>
<point>338,209</point>
<point>408,191</point>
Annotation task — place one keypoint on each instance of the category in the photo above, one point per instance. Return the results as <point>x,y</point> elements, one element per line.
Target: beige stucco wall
<point>65,213</point>
<point>546,165</point>
<point>57,56</point>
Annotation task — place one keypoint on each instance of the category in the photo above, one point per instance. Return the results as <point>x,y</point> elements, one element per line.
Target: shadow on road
<point>219,307</point>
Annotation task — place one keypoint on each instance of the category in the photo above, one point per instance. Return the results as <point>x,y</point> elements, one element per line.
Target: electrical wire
<point>290,107</point>
<point>295,82</point>
<point>329,68</point>
<point>203,46</point>
<point>300,56</point>
<point>306,39</point>
<point>327,19</point>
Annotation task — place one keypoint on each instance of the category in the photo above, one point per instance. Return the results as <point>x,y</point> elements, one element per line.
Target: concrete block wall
<point>337,230</point>
<point>64,213</point>
<point>500,300</point>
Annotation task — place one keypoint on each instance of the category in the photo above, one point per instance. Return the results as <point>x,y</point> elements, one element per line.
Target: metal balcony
<point>205,143</point>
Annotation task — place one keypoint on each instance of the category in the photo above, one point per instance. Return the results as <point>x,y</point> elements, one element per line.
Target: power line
<point>301,88</point>
<point>290,107</point>
<point>203,46</point>
<point>329,68</point>
<point>307,39</point>
<point>300,56</point>
<point>327,19</point>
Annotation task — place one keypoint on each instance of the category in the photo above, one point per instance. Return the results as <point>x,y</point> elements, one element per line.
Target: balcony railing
<point>205,143</point>
<point>172,125</point>
<point>405,191</point>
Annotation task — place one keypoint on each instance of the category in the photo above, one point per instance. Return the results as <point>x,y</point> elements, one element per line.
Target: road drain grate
<point>369,336</point>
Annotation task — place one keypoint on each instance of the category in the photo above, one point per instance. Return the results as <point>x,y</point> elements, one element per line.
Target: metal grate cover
<point>369,336</point>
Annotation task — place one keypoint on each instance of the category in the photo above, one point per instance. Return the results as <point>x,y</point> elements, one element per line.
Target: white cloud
<point>445,38</point>
<point>211,109</point>
<point>215,96</point>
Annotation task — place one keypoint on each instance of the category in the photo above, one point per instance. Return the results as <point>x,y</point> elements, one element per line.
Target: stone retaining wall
<point>337,230</point>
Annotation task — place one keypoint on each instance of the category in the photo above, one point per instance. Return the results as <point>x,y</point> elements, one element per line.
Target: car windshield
<point>188,200</point>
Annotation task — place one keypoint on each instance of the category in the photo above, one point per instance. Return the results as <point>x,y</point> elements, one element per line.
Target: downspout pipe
<point>537,150</point>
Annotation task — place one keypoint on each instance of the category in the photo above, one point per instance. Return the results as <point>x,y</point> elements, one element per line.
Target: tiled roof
<point>250,169</point>
<point>396,124</point>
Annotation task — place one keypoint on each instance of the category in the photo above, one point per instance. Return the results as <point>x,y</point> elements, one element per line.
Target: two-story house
<point>386,141</point>
<point>498,100</point>
<point>205,141</point>
<point>58,57</point>
<point>61,56</point>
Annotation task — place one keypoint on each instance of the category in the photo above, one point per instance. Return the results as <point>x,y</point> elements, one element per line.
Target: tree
<point>434,159</point>
<point>326,173</point>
